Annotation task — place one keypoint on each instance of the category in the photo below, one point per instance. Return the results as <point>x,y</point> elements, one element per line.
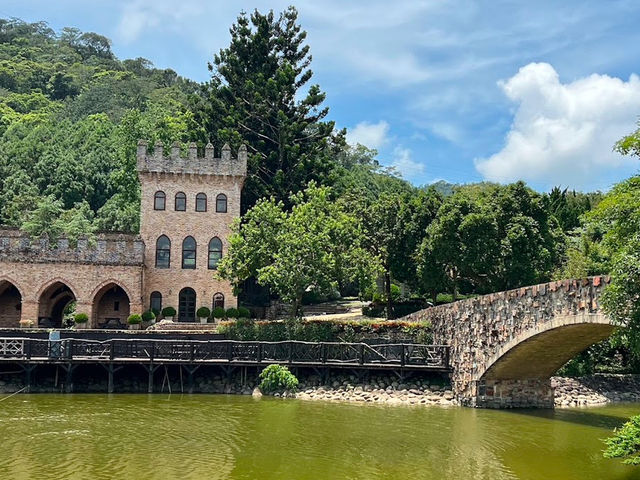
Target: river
<point>51,436</point>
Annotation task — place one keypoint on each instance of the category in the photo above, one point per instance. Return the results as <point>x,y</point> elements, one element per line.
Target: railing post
<point>290,352</point>
<point>361,359</point>
<point>152,351</point>
<point>111,352</point>
<point>259,352</point>
<point>193,351</point>
<point>402,355</point>
<point>28,348</point>
<point>229,351</point>
<point>323,352</point>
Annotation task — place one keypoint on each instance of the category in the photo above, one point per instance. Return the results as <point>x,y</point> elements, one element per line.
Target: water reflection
<point>204,437</point>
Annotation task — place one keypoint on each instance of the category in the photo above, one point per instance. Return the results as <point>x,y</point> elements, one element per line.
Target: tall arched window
<point>201,202</point>
<point>221,203</point>
<point>218,300</point>
<point>163,252</point>
<point>215,252</point>
<point>156,301</point>
<point>189,253</point>
<point>181,202</point>
<point>159,200</point>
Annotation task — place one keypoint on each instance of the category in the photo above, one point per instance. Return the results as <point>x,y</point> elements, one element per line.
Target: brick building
<point>187,207</point>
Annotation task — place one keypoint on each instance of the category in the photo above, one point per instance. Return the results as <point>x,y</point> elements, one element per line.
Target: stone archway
<point>111,306</point>
<point>10,304</point>
<point>52,302</point>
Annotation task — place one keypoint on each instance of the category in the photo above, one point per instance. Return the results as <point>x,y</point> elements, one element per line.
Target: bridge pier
<point>524,393</point>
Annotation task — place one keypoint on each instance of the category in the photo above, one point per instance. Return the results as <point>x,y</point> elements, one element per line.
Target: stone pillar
<point>29,311</point>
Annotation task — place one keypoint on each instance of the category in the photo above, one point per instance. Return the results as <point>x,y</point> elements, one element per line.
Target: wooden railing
<point>227,351</point>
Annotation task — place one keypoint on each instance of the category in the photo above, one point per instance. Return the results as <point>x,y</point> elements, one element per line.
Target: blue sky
<point>455,90</point>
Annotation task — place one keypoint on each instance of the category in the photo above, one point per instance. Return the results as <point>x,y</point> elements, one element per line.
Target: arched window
<point>201,202</point>
<point>181,202</point>
<point>159,200</point>
<point>189,253</point>
<point>163,252</point>
<point>221,203</point>
<point>218,300</point>
<point>215,252</point>
<point>156,301</point>
<point>187,305</point>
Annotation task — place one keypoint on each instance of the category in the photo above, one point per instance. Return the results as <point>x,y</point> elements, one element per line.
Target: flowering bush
<point>276,377</point>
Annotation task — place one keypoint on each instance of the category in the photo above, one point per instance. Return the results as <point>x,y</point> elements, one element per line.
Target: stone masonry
<point>505,346</point>
<point>114,275</point>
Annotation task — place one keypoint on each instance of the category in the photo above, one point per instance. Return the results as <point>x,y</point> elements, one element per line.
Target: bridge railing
<point>229,351</point>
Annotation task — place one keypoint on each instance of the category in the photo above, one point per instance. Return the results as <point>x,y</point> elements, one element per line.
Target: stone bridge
<point>505,346</point>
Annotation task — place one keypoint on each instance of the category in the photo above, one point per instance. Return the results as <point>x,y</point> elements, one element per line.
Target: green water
<point>209,437</point>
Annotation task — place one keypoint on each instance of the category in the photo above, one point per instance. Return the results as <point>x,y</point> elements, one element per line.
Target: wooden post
<point>150,369</point>
<point>110,380</point>
<point>69,382</point>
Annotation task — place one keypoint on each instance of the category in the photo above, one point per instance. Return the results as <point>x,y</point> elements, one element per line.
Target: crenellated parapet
<point>208,164</point>
<point>104,249</point>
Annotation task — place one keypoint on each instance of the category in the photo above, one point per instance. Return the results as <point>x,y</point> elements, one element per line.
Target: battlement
<point>107,249</point>
<point>208,164</point>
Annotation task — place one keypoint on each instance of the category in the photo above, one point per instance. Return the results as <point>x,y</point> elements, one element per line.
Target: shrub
<point>243,312</point>
<point>168,312</point>
<point>624,444</point>
<point>148,316</point>
<point>134,319</point>
<point>374,309</point>
<point>203,312</point>
<point>156,312</point>
<point>218,312</point>
<point>232,313</point>
<point>81,318</point>
<point>276,377</point>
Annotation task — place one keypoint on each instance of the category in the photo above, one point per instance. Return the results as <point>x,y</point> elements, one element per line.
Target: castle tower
<point>188,205</point>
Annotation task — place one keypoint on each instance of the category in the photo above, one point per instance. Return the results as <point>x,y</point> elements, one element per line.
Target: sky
<point>449,90</point>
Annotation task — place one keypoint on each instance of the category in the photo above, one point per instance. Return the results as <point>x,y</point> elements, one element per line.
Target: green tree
<point>259,95</point>
<point>311,248</point>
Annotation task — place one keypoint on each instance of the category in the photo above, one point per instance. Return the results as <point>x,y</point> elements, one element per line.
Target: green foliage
<point>203,312</point>
<point>625,442</point>
<point>169,312</point>
<point>148,316</point>
<point>243,312</point>
<point>314,247</point>
<point>81,318</point>
<point>630,145</point>
<point>134,319</point>
<point>277,377</point>
<point>232,313</point>
<point>218,312</point>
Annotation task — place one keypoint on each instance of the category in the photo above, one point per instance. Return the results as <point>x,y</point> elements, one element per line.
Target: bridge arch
<point>53,299</point>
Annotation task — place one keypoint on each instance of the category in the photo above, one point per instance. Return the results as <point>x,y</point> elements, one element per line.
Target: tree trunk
<point>387,292</point>
<point>434,296</point>
<point>296,307</point>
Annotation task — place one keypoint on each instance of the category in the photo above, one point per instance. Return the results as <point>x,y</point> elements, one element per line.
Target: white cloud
<point>405,165</point>
<point>372,135</point>
<point>563,133</point>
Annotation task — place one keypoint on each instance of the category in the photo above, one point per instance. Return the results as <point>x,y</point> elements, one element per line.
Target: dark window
<point>201,202</point>
<point>218,300</point>
<point>215,252</point>
<point>221,203</point>
<point>116,306</point>
<point>163,252</point>
<point>156,301</point>
<point>181,202</point>
<point>187,305</point>
<point>159,200</point>
<point>189,253</point>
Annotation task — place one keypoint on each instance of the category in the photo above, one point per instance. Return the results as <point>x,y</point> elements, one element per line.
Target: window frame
<point>167,249</point>
<point>157,196</point>
<point>184,251</point>
<point>211,250</point>
<point>182,197</point>
<point>220,197</point>
<point>199,198</point>
<point>220,296</point>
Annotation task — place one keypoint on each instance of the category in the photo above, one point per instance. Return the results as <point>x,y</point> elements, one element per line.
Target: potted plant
<point>244,312</point>
<point>232,313</point>
<point>203,314</point>
<point>27,323</point>
<point>134,321</point>
<point>149,316</point>
<point>168,313</point>
<point>81,319</point>
<point>218,313</point>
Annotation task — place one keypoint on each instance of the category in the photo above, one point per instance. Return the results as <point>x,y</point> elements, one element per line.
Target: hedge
<point>312,330</point>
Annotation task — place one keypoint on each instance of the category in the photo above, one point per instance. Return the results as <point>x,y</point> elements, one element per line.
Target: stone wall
<point>482,331</point>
